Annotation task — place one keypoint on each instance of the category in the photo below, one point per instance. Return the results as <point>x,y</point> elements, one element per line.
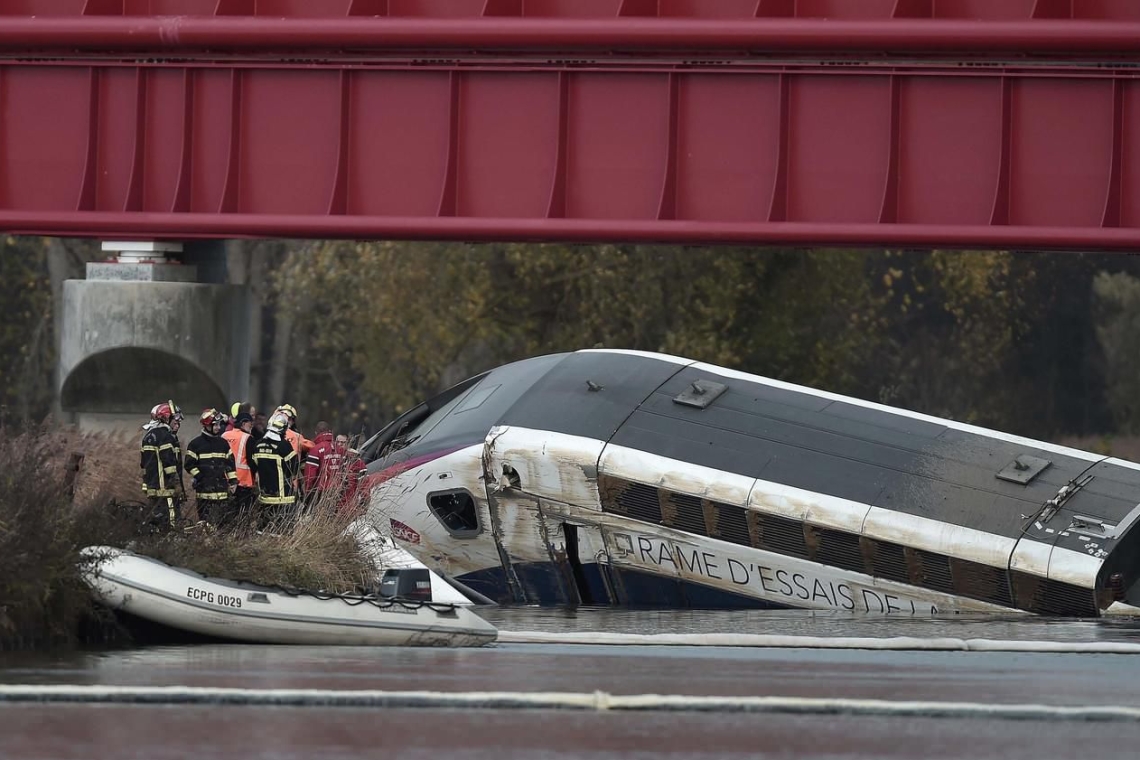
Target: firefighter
<point>237,409</point>
<point>241,445</point>
<point>275,466</point>
<point>161,461</point>
<point>301,445</point>
<point>211,465</point>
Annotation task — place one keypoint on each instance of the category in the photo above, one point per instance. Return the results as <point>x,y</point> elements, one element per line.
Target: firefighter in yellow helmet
<point>300,443</point>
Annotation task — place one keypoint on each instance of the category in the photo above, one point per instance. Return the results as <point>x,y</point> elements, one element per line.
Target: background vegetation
<point>1034,343</point>
<point>1042,344</point>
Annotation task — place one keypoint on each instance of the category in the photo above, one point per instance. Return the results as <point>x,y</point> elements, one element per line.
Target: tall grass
<point>41,595</point>
<point>311,552</point>
<point>50,509</point>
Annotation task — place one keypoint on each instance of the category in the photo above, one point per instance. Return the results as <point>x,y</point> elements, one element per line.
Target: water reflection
<point>244,665</point>
<point>811,623</point>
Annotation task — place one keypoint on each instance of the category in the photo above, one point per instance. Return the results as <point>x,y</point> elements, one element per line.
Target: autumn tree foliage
<point>355,332</point>
<point>995,338</point>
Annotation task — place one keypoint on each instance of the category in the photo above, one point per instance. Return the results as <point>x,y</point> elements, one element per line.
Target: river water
<point>812,623</point>
<point>898,679</point>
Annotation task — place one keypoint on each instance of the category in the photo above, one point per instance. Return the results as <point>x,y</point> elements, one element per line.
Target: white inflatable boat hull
<point>183,599</point>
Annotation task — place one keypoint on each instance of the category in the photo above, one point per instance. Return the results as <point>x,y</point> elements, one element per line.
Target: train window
<point>456,510</point>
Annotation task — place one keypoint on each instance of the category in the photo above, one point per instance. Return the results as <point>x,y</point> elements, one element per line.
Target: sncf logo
<point>403,532</point>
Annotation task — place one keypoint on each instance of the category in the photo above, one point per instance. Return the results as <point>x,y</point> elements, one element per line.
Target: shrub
<point>61,491</point>
<point>42,597</point>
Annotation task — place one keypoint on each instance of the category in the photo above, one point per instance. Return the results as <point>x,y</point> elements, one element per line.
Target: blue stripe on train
<point>542,583</point>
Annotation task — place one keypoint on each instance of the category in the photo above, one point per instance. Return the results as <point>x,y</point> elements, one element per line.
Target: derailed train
<point>607,477</point>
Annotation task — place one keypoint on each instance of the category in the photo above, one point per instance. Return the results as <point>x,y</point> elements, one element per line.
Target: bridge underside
<point>683,124</point>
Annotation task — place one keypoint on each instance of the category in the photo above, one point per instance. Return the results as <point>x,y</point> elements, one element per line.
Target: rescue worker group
<point>243,465</point>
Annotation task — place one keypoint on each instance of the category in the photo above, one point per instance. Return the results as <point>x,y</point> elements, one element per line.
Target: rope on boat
<point>898,643</point>
<point>595,701</point>
<point>352,600</point>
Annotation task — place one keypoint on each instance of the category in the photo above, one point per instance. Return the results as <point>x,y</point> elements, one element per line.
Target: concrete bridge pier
<point>154,321</point>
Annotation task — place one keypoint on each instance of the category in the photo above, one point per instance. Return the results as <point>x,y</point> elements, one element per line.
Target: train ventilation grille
<point>682,512</point>
<point>889,561</point>
<point>781,535</point>
<point>635,500</point>
<point>729,523</point>
<point>935,571</point>
<point>985,582</point>
<point>1048,597</point>
<point>837,548</point>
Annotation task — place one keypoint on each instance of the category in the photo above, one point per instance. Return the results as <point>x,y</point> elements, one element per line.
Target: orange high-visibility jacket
<point>238,440</point>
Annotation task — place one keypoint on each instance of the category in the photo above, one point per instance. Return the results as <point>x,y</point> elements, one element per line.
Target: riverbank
<point>61,491</point>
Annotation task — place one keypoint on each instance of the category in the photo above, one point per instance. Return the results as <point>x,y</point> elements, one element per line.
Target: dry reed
<point>61,491</point>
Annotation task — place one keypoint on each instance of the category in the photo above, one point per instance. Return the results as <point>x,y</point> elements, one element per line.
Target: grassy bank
<point>61,491</point>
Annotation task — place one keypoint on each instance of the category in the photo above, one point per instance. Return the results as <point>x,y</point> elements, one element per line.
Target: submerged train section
<point>625,478</point>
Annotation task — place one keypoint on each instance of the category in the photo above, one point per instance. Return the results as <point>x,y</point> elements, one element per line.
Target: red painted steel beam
<point>150,226</point>
<point>764,153</point>
<point>1114,10</point>
<point>104,34</point>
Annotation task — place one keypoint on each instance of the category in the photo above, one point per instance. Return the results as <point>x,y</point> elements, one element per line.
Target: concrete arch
<point>128,344</point>
<point>129,381</point>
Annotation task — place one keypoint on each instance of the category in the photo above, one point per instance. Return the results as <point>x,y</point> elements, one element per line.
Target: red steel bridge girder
<point>1009,123</point>
<point>567,9</point>
<point>766,154</point>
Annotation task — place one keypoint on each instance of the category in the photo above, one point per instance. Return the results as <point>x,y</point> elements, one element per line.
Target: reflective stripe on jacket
<point>276,465</point>
<point>238,440</point>
<point>159,462</point>
<point>211,463</point>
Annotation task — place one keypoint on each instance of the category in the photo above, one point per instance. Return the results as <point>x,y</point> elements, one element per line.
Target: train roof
<point>819,441</point>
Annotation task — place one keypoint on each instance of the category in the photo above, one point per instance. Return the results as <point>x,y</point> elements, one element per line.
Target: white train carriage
<point>628,478</point>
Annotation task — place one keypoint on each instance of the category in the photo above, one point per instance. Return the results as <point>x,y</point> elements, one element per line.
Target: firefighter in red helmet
<point>210,463</point>
<point>161,463</point>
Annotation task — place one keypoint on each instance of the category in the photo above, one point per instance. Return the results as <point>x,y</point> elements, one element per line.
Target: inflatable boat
<point>235,610</point>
